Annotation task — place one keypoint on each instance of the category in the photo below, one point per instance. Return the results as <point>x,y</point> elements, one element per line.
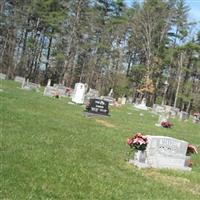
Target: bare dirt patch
<point>105,123</point>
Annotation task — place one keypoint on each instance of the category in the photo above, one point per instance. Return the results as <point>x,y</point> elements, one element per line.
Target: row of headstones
<point>17,78</point>
<point>78,95</point>
<point>57,90</point>
<point>26,84</point>
<point>170,111</point>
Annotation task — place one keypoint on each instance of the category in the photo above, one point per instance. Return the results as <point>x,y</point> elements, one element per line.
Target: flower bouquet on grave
<point>190,150</point>
<point>166,124</point>
<point>138,142</point>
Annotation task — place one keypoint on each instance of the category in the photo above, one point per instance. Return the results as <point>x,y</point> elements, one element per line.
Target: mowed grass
<point>49,150</point>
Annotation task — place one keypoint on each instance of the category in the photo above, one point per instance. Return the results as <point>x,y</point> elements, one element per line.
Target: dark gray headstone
<point>98,106</point>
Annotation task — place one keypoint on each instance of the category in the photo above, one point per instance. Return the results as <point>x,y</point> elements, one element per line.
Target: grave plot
<point>161,152</point>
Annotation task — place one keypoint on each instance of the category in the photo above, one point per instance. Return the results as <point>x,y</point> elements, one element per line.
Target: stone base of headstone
<point>89,114</point>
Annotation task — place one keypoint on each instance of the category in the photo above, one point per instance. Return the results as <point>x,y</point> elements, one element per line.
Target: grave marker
<point>2,76</point>
<point>98,106</point>
<point>142,106</point>
<point>163,152</point>
<point>26,85</point>
<point>19,79</point>
<point>183,116</point>
<point>79,93</point>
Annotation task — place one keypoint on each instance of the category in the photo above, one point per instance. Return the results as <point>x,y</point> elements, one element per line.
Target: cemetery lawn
<point>49,150</point>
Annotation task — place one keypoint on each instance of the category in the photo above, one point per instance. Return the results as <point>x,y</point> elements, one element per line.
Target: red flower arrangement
<point>166,124</point>
<point>138,141</point>
<point>191,149</point>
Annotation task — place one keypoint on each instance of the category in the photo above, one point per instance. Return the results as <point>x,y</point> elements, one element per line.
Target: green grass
<point>49,150</point>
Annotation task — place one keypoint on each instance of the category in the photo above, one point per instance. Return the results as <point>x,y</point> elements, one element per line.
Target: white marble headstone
<point>79,93</point>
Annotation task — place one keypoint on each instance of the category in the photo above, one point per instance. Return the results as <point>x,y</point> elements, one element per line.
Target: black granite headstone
<point>98,106</point>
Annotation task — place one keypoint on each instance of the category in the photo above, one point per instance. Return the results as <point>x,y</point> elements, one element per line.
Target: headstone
<point>26,85</point>
<point>19,79</point>
<point>110,100</point>
<point>79,93</point>
<point>110,93</point>
<point>174,112</point>
<point>92,94</point>
<point>183,116</point>
<point>123,100</point>
<point>158,109</point>
<point>130,100</point>
<point>163,152</point>
<point>137,101</point>
<point>142,106</point>
<point>167,108</point>
<point>98,106</point>
<point>61,89</point>
<point>50,91</point>
<point>2,76</point>
<point>49,82</point>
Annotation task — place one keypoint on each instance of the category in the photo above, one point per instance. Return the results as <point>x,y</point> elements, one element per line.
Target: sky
<point>194,13</point>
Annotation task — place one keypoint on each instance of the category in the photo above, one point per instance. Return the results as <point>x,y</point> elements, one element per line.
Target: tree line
<point>106,44</point>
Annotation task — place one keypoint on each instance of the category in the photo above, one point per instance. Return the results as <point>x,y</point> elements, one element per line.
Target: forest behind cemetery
<point>149,48</point>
